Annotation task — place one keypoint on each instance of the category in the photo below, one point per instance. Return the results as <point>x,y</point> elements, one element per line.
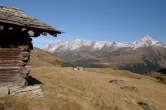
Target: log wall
<point>14,56</point>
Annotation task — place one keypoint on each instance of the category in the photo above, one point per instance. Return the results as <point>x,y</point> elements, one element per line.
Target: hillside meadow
<point>91,89</point>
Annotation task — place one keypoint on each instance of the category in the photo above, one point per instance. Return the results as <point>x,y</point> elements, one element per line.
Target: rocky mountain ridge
<point>139,56</point>
<point>73,45</point>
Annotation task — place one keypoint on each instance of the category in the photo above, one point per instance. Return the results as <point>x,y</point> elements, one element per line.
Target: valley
<point>140,56</point>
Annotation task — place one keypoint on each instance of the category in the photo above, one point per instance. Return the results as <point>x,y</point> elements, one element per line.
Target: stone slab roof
<point>15,17</point>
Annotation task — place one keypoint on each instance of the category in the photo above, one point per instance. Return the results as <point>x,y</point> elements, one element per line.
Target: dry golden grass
<point>41,58</point>
<point>160,77</point>
<point>20,103</point>
<point>65,89</point>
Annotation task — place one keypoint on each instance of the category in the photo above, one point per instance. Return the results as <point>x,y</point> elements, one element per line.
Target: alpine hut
<point>16,32</point>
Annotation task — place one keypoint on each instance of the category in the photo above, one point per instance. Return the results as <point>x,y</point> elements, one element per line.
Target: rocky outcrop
<point>147,105</point>
<point>116,81</point>
<point>130,88</point>
<point>4,91</point>
<point>30,91</point>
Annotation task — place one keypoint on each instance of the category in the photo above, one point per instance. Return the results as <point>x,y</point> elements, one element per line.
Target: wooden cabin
<point>16,32</point>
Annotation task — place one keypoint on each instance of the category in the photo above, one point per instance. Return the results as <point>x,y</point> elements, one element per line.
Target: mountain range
<point>139,56</point>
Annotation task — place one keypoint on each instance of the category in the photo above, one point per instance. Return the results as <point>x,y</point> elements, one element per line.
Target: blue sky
<point>97,20</point>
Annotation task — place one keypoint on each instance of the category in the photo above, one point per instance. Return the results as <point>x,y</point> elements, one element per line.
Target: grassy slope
<point>160,77</point>
<point>42,58</point>
<point>66,89</point>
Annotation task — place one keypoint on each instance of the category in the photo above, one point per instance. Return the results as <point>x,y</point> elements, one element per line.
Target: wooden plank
<point>7,58</point>
<point>9,71</point>
<point>9,76</point>
<point>6,77</point>
<point>11,64</point>
<point>10,56</point>
<point>7,80</point>
<point>20,63</point>
<point>9,49</point>
<point>9,61</point>
<point>12,52</point>
<point>9,67</point>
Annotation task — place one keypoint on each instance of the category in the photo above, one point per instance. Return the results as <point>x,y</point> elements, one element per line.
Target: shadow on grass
<point>33,81</point>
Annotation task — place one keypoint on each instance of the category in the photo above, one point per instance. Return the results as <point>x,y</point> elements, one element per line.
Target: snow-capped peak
<point>147,38</point>
<point>59,41</point>
<point>146,41</point>
<point>60,45</point>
